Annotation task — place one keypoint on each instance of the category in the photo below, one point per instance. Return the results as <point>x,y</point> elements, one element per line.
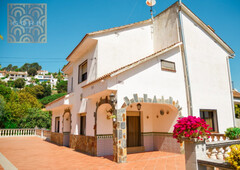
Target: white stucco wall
<point>208,74</point>
<point>104,125</point>
<point>165,28</point>
<point>119,48</point>
<point>57,113</point>
<point>148,78</point>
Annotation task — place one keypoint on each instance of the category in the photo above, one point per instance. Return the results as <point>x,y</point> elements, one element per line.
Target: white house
<point>13,75</point>
<point>43,72</point>
<point>155,71</point>
<point>3,73</point>
<point>46,78</point>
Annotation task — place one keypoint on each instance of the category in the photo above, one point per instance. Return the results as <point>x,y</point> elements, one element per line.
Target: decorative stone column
<point>194,150</point>
<point>120,137</point>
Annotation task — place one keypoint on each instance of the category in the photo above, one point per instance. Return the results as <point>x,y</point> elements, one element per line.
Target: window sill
<point>163,69</point>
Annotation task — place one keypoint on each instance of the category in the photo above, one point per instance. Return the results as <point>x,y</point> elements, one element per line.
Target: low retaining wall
<point>157,141</point>
<point>85,144</point>
<point>57,138</point>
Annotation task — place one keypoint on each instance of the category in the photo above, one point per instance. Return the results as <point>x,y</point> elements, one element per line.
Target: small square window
<point>168,66</point>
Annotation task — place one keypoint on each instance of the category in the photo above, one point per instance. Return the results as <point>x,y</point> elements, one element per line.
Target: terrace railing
<point>17,132</point>
<point>211,153</point>
<point>43,133</point>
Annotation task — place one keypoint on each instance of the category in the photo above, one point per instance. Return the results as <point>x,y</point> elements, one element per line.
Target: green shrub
<point>51,98</point>
<point>232,133</point>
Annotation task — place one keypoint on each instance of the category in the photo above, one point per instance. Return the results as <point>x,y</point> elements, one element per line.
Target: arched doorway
<point>66,129</point>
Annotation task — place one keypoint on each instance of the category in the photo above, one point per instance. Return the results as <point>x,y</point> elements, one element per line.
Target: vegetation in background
<point>21,106</point>
<point>237,110</point>
<point>25,67</point>
<point>32,72</point>
<point>61,86</point>
<point>5,92</point>
<point>36,117</point>
<point>51,98</point>
<point>19,83</point>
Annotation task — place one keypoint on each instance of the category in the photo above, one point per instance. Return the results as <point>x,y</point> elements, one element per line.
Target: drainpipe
<point>185,64</point>
<point>231,90</point>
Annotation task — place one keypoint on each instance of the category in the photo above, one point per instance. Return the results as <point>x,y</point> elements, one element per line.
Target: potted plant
<point>191,128</point>
<point>232,133</point>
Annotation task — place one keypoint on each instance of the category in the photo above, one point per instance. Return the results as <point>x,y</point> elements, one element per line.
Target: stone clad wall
<point>120,137</point>
<point>57,138</point>
<point>85,144</point>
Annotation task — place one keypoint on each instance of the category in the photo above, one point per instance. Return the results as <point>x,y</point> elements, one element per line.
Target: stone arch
<point>67,111</point>
<point>156,100</point>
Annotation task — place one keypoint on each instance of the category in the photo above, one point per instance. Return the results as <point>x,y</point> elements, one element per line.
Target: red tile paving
<point>34,153</point>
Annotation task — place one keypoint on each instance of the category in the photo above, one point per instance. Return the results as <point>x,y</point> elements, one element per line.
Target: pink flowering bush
<point>191,127</point>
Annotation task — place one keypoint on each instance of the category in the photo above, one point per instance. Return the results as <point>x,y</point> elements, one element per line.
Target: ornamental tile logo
<point>27,23</point>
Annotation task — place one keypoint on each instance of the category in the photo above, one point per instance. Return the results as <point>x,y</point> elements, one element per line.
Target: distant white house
<point>128,85</point>
<point>13,75</point>
<point>3,73</point>
<point>46,78</point>
<point>43,72</point>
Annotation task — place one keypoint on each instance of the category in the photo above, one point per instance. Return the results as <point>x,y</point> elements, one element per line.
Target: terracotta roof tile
<point>236,94</point>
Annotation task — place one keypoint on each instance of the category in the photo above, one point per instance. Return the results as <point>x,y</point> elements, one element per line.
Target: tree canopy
<point>32,71</point>
<point>61,86</point>
<point>19,83</point>
<point>24,67</point>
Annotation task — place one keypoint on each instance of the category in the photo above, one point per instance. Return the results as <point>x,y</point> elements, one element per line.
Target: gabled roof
<point>186,10</point>
<point>134,64</point>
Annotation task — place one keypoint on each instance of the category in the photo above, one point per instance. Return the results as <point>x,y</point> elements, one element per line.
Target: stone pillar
<point>194,150</point>
<point>120,137</point>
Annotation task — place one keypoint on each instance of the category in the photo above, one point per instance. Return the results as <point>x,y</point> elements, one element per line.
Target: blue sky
<point>69,20</point>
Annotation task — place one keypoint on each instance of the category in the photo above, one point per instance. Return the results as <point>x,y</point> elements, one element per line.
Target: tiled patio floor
<point>34,153</point>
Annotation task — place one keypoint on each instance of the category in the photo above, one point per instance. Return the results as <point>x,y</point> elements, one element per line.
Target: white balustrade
<point>219,150</point>
<point>217,137</point>
<point>17,132</point>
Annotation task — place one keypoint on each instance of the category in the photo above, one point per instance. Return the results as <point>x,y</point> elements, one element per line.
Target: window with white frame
<point>82,72</point>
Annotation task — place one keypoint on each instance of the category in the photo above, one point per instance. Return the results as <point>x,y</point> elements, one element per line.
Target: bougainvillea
<point>234,156</point>
<point>191,127</point>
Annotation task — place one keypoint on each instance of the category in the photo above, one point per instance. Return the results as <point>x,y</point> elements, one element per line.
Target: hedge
<point>51,98</point>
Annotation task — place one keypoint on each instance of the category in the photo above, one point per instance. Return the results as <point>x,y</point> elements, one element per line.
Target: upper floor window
<point>210,117</point>
<point>168,65</point>
<point>82,72</point>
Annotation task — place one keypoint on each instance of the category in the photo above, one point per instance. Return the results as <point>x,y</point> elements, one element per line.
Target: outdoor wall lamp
<point>113,102</point>
<point>139,106</point>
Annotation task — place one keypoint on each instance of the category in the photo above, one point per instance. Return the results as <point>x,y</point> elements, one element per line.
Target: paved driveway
<point>34,153</point>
